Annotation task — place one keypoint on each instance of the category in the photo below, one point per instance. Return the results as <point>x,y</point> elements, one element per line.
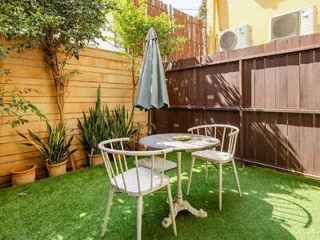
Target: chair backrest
<point>117,167</point>
<point>227,134</point>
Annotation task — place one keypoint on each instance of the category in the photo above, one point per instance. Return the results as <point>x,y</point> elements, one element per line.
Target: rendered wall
<point>256,13</point>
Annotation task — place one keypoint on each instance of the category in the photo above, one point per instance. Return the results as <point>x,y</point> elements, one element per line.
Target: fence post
<point>241,90</point>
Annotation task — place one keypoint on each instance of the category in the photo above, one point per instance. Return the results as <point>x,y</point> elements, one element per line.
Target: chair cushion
<point>131,181</point>
<point>213,156</point>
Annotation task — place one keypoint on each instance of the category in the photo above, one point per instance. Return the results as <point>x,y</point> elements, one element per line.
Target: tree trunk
<point>134,84</point>
<point>60,81</point>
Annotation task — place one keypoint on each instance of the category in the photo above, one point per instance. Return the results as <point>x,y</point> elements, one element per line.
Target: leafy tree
<point>61,28</point>
<point>131,25</point>
<point>203,11</point>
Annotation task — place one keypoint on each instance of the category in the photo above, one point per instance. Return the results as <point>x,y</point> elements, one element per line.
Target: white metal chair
<point>220,155</point>
<point>136,181</point>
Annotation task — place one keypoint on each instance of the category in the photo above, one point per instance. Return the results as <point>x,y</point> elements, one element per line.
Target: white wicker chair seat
<point>214,156</point>
<point>132,183</point>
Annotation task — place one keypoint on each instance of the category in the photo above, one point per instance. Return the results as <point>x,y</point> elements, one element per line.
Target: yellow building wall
<point>256,13</point>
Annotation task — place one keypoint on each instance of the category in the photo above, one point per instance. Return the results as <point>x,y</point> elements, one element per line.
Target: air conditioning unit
<point>235,38</point>
<point>298,23</point>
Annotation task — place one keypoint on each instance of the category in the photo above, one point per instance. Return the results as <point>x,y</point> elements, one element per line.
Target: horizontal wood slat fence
<point>271,91</point>
<point>194,30</point>
<point>96,67</point>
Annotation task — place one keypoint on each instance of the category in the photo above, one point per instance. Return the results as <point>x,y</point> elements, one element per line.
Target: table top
<point>163,141</point>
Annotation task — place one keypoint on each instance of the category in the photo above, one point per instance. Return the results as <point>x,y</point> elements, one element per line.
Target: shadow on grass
<point>272,205</point>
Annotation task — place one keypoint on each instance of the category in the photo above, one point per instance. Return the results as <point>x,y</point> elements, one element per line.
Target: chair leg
<point>206,172</point>
<point>142,210</point>
<point>190,174</point>
<point>171,210</point>
<point>236,176</point>
<point>139,216</point>
<point>110,198</point>
<point>220,186</point>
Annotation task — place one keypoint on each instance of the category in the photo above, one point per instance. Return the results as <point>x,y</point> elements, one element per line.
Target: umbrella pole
<point>149,123</point>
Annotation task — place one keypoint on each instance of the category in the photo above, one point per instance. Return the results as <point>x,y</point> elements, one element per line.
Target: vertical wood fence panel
<point>272,92</point>
<point>307,79</point>
<point>193,29</point>
<point>294,141</point>
<point>270,83</point>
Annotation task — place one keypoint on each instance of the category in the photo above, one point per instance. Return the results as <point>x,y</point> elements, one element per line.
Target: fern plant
<point>93,128</point>
<point>56,149</point>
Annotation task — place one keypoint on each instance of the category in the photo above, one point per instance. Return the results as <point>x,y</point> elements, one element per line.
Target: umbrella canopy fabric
<point>152,88</point>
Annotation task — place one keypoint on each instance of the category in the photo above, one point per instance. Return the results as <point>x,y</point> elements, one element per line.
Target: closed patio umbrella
<point>152,88</point>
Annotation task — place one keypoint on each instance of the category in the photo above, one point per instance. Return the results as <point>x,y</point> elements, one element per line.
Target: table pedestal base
<point>177,207</point>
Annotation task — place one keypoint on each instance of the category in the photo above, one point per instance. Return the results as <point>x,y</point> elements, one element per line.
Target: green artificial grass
<point>274,205</point>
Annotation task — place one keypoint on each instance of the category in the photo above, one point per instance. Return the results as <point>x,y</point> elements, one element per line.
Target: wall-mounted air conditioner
<point>240,37</point>
<point>298,23</point>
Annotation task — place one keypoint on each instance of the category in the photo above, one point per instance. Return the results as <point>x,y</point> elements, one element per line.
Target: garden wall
<point>271,91</point>
<point>96,67</point>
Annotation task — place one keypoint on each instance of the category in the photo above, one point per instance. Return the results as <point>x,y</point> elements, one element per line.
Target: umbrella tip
<point>151,34</point>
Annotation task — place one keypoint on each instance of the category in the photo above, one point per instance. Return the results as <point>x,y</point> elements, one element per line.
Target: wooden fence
<point>96,67</point>
<point>271,91</point>
<point>194,30</point>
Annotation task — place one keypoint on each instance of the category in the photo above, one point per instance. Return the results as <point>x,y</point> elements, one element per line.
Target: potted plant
<point>22,174</point>
<point>136,137</point>
<point>93,130</point>
<point>56,150</point>
<point>14,104</point>
<point>120,123</point>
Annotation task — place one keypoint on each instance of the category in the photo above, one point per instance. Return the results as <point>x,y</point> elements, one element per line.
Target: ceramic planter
<point>96,159</point>
<point>22,174</point>
<point>57,169</point>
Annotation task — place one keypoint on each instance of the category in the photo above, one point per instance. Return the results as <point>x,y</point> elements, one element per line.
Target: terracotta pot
<point>57,169</point>
<point>140,148</point>
<point>22,174</point>
<point>96,159</point>
<point>119,157</point>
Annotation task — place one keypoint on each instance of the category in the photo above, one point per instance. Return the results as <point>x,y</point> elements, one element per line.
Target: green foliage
<point>137,135</point>
<point>56,150</point>
<point>3,52</point>
<point>103,124</point>
<point>94,128</point>
<point>66,24</point>
<point>203,11</point>
<point>131,25</point>
<point>120,123</point>
<point>13,103</point>
<point>61,28</point>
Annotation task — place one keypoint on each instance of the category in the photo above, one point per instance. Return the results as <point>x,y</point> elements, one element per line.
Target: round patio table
<point>196,143</point>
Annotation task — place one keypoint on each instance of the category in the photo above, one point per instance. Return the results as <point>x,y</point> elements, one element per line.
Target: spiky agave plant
<point>56,149</point>
<point>93,128</point>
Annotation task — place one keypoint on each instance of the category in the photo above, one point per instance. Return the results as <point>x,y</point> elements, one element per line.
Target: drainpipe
<point>215,24</point>
<point>212,26</point>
